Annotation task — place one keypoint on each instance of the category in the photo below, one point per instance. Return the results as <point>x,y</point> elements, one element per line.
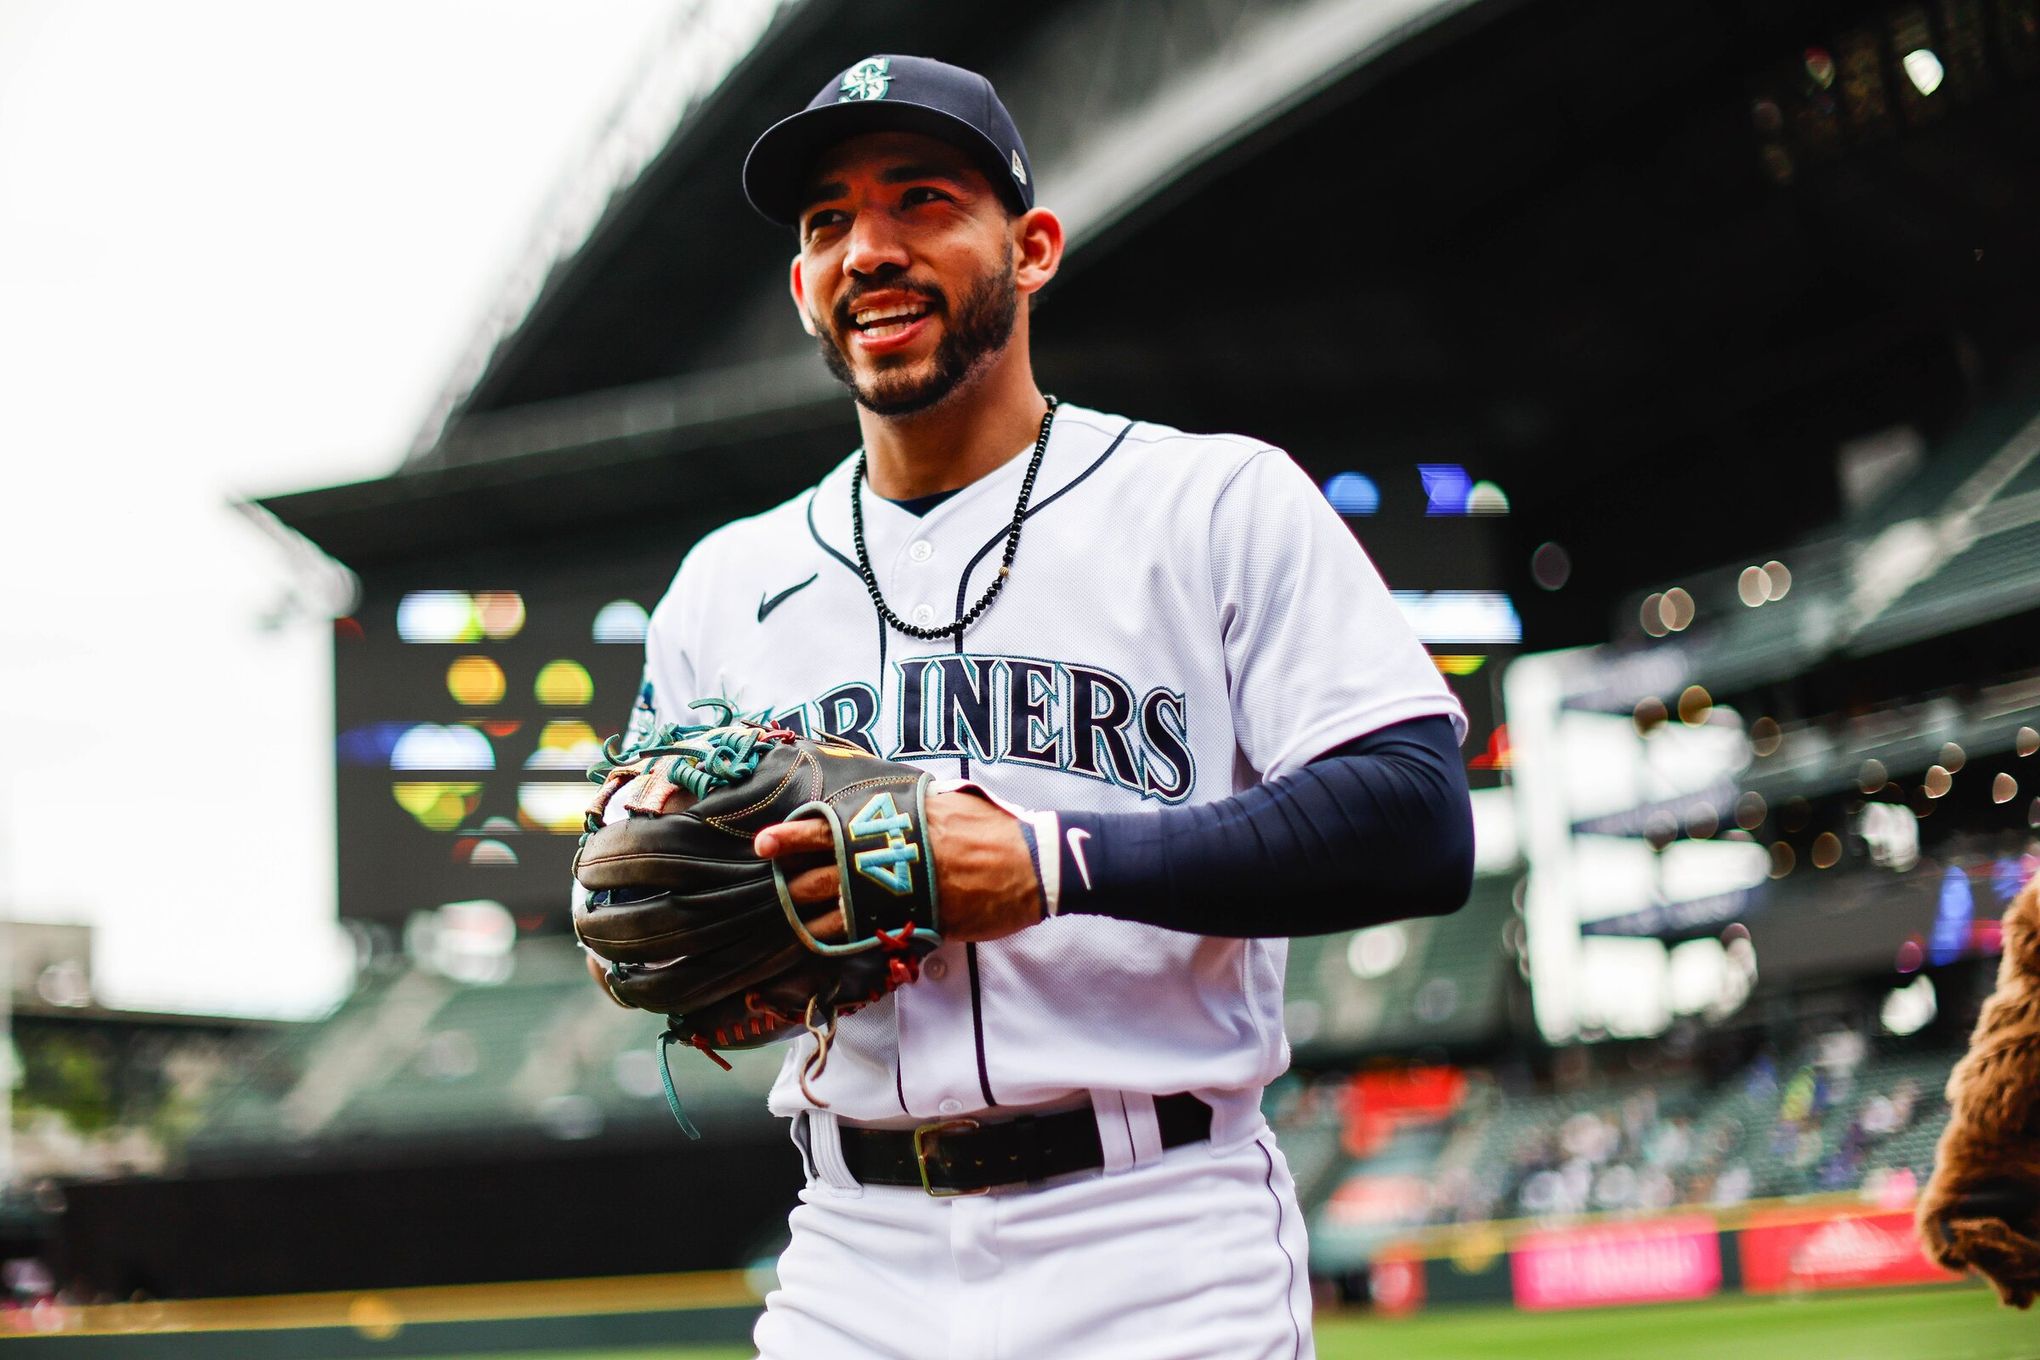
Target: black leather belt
<point>970,1156</point>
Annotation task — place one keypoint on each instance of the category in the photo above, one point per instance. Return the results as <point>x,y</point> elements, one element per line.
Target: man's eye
<point>921,193</point>
<point>828,217</point>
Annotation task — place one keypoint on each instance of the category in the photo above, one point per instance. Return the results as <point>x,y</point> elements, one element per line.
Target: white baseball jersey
<point>1186,617</point>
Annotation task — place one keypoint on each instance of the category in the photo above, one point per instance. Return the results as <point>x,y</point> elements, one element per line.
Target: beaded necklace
<point>971,615</point>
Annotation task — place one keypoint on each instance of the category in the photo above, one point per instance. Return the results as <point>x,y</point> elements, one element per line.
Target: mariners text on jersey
<point>1056,715</point>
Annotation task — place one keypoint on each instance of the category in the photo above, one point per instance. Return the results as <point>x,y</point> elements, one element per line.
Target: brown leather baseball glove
<point>688,921</point>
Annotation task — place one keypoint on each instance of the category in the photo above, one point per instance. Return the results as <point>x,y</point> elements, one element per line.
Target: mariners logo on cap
<point>868,79</point>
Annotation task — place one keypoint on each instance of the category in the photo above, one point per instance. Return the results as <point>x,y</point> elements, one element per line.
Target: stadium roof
<point>1189,80</point>
<point>649,315</point>
<point>1543,240</point>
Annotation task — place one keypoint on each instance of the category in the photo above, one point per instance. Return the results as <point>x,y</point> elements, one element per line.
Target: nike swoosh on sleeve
<point>1076,836</point>
<point>766,606</point>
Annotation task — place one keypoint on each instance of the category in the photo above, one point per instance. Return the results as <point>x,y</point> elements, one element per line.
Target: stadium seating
<point>1835,1115</point>
<point>415,1057</point>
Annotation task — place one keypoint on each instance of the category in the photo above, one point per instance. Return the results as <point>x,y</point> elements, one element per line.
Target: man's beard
<point>972,333</point>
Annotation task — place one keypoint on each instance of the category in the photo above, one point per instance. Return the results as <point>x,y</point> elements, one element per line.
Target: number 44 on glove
<point>689,921</point>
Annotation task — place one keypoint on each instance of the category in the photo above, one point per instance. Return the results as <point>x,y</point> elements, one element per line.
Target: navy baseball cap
<point>890,94</point>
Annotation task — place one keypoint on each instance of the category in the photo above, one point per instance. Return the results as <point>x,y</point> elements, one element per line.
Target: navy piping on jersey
<point>970,951</point>
<point>1289,1294</point>
<point>977,1025</point>
<point>899,1077</point>
<point>850,567</point>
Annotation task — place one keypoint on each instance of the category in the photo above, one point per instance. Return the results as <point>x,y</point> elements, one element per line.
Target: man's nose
<point>874,246</point>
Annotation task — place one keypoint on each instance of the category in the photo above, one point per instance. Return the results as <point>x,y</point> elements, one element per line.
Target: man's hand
<point>988,884</point>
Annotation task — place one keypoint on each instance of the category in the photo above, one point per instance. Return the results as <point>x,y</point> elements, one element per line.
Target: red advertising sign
<point>1396,1284</point>
<point>1656,1261</point>
<point>1787,1251</point>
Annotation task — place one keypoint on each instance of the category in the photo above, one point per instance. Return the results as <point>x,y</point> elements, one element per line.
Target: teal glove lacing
<point>666,1041</point>
<point>704,757</point>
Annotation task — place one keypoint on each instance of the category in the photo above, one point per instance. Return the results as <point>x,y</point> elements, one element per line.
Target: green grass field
<point>1936,1324</point>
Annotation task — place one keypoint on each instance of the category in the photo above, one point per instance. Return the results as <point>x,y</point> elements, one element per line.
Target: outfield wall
<point>1781,1247</point>
<point>691,1309</point>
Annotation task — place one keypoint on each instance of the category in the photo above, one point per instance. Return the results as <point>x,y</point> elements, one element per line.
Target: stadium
<point>1677,367</point>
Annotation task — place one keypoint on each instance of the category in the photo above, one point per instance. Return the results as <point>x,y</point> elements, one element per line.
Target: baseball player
<point>1182,720</point>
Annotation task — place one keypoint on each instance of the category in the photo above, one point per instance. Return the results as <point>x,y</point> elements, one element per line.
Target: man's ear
<point>1037,249</point>
<point>799,290</point>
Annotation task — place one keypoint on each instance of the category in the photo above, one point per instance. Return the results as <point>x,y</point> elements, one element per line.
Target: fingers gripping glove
<point>1981,1209</point>
<point>693,924</point>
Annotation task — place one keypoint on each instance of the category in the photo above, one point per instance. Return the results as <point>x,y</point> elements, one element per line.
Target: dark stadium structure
<point>1642,268</point>
<point>1557,243</point>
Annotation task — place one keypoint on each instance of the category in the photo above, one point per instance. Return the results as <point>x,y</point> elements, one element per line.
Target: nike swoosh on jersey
<point>1076,836</point>
<point>766,606</point>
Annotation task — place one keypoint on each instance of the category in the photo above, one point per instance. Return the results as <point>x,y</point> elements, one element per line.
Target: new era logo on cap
<point>868,79</point>
<point>1019,170</point>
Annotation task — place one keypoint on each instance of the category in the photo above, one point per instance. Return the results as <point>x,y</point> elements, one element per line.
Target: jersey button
<point>923,615</point>
<point>935,968</point>
<point>950,1106</point>
<point>920,550</point>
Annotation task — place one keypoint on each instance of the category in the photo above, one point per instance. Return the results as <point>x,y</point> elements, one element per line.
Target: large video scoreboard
<point>467,711</point>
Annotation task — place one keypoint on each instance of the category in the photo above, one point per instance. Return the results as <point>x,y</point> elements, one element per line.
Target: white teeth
<point>872,315</point>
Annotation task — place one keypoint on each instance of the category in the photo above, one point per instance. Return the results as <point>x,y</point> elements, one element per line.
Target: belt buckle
<point>922,1147</point>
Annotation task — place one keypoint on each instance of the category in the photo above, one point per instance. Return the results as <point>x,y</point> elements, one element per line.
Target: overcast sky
<point>241,246</point>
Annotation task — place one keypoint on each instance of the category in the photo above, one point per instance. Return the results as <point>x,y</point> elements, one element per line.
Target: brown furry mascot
<point>1981,1210</point>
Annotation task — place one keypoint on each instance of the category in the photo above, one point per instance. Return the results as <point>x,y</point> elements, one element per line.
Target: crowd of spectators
<point>1826,1118</point>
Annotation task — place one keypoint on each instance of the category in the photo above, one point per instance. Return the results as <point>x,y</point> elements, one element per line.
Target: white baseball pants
<point>1196,1252</point>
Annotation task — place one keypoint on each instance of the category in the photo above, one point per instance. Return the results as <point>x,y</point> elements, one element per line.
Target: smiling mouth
<point>880,322</point>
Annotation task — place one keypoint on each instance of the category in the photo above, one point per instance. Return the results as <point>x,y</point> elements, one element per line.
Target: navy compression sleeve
<point>1376,830</point>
